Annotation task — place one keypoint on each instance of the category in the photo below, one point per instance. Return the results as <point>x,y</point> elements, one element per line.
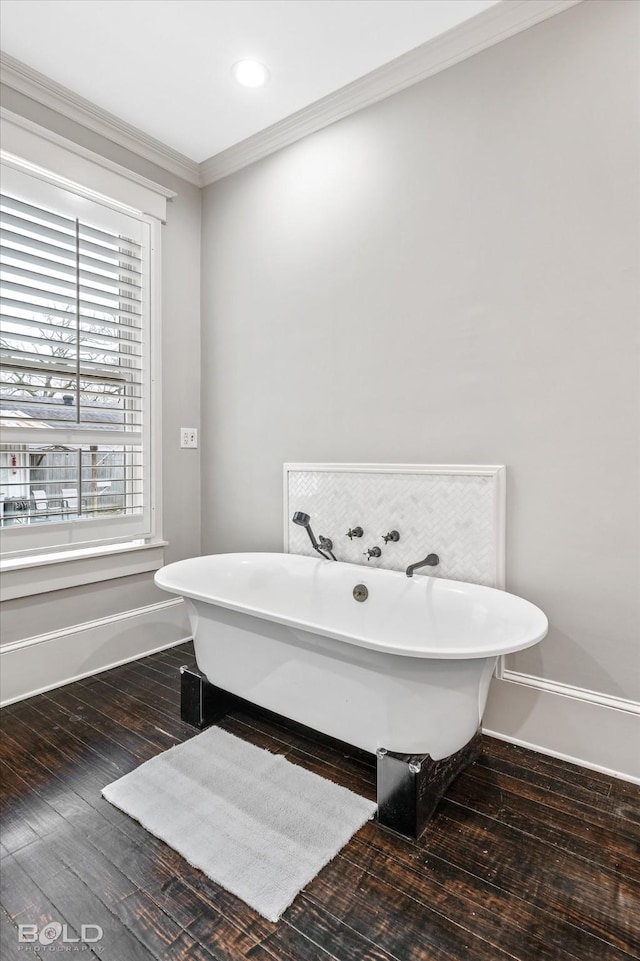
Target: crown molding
<point>505,19</point>
<point>499,22</point>
<point>29,82</point>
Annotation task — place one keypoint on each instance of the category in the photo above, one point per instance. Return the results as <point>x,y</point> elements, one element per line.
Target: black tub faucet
<point>431,560</point>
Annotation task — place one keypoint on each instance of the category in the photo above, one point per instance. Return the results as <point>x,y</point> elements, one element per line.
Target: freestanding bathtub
<point>406,670</point>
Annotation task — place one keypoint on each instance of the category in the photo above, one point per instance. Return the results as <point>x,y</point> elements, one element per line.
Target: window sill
<point>39,574</point>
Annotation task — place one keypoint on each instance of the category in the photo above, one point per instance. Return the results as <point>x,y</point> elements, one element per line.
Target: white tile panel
<point>454,511</point>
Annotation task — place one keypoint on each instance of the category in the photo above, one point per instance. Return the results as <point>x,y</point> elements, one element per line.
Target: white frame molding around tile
<point>497,473</point>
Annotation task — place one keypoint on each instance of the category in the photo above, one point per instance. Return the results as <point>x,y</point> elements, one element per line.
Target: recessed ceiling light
<point>250,73</point>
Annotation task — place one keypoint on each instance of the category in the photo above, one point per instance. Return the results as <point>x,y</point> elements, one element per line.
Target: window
<point>75,382</point>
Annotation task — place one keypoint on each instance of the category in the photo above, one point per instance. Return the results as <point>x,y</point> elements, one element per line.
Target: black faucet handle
<point>372,552</point>
<point>391,536</point>
<point>354,532</point>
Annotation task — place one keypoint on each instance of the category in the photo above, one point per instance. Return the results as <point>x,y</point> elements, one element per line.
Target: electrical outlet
<point>188,437</point>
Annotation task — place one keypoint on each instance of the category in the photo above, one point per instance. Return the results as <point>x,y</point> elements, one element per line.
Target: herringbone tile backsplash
<point>451,515</point>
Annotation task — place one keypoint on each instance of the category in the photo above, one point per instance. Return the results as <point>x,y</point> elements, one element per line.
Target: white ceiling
<point>164,66</point>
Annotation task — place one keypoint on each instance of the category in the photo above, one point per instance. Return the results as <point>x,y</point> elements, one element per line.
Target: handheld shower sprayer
<point>303,520</point>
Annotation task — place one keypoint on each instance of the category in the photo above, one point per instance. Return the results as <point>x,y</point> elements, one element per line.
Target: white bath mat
<point>252,821</point>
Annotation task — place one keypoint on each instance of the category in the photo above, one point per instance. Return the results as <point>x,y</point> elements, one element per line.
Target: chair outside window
<point>70,499</point>
<point>40,498</point>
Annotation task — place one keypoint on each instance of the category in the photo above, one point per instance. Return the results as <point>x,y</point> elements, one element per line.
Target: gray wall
<point>56,610</point>
<point>451,276</point>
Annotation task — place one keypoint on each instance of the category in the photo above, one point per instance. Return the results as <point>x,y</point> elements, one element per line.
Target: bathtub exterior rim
<point>175,579</point>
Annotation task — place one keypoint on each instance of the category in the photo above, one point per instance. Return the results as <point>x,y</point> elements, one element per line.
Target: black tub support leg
<point>201,703</point>
<point>411,785</point>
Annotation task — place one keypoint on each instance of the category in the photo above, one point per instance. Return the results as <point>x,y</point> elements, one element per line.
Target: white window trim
<point>39,574</point>
<point>37,151</point>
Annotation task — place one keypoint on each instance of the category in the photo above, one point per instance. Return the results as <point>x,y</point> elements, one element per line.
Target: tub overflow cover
<point>360,592</point>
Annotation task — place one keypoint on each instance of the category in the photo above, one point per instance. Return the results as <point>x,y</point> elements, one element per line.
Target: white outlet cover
<point>188,437</point>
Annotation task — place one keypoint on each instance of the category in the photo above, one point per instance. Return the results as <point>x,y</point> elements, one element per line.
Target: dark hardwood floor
<point>526,858</point>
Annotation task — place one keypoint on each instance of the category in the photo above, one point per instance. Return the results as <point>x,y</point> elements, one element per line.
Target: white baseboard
<point>47,661</point>
<point>597,732</point>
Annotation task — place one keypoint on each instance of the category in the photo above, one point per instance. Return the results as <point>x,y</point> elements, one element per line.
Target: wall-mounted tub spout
<point>431,560</point>
<point>303,520</point>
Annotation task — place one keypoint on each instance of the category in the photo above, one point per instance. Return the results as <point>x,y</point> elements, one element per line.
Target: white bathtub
<point>407,670</point>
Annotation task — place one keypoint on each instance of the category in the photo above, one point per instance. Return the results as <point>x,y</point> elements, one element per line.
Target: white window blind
<point>75,374</point>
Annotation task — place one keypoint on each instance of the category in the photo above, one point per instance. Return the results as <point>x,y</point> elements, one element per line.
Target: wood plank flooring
<point>526,858</point>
